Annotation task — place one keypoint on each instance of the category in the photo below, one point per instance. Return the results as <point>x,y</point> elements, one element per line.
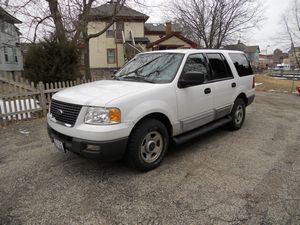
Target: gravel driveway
<point>251,176</point>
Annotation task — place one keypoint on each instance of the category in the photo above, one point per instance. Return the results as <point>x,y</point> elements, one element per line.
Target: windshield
<point>152,67</point>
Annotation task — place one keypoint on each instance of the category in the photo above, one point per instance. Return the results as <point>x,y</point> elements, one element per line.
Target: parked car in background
<point>157,97</point>
<point>298,89</point>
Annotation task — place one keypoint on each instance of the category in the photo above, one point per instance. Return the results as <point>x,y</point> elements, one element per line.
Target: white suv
<point>156,98</point>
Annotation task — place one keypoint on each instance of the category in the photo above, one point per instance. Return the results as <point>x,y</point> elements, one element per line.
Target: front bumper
<point>108,150</point>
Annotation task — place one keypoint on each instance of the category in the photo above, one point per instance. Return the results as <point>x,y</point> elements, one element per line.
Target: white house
<point>11,59</point>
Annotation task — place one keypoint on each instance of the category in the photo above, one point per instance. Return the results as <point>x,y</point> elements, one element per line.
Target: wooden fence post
<point>43,102</point>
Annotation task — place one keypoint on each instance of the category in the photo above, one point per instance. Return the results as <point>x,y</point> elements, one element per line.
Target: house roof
<point>107,10</point>
<point>7,17</point>
<point>193,44</point>
<point>141,40</point>
<point>160,28</point>
<point>242,47</point>
<point>263,56</point>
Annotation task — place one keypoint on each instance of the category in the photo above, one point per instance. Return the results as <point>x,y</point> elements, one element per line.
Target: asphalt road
<point>251,176</point>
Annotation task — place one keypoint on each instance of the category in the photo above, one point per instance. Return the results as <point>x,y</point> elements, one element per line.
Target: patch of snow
<point>24,131</point>
<point>280,78</point>
<point>257,84</point>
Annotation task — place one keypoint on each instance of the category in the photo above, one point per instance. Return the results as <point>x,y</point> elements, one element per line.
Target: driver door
<point>195,103</point>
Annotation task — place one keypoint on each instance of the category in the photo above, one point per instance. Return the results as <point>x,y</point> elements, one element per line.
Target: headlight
<point>101,115</point>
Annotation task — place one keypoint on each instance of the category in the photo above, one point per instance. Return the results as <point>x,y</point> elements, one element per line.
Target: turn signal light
<point>114,115</point>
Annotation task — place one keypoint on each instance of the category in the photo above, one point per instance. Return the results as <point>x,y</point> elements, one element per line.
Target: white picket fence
<point>21,100</point>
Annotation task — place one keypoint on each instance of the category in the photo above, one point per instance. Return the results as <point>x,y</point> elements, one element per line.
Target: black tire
<point>238,114</point>
<point>147,145</point>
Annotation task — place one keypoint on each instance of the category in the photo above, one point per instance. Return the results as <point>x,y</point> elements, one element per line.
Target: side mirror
<point>191,78</point>
<point>114,73</point>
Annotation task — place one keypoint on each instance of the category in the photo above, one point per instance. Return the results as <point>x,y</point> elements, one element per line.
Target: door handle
<point>207,90</point>
<point>233,84</point>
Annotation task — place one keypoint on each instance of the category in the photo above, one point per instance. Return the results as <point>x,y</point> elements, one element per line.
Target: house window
<point>110,31</point>
<point>111,56</point>
<point>7,28</point>
<point>15,55</point>
<point>5,54</point>
<point>10,55</point>
<point>119,30</point>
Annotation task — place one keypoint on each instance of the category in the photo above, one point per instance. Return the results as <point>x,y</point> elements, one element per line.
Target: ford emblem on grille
<point>60,111</point>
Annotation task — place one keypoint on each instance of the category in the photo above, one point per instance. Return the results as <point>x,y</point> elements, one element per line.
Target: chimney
<point>168,28</point>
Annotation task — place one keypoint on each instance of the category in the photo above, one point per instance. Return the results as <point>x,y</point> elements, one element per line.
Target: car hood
<point>99,93</point>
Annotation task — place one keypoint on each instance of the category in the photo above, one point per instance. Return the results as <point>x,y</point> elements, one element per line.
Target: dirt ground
<point>272,84</point>
<point>251,176</point>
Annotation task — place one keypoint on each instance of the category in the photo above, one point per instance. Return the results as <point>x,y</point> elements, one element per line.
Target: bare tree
<point>75,23</point>
<point>67,19</point>
<point>291,24</point>
<point>216,21</point>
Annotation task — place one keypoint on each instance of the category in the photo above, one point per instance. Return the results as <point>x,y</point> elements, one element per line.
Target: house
<point>129,35</point>
<point>11,60</point>
<point>252,52</point>
<point>166,36</point>
<point>279,56</point>
<point>265,61</point>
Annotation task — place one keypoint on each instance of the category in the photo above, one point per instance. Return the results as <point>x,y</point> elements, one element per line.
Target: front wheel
<point>147,145</point>
<point>238,114</point>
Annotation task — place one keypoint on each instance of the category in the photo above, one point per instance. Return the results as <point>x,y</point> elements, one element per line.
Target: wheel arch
<point>244,97</point>
<point>158,116</point>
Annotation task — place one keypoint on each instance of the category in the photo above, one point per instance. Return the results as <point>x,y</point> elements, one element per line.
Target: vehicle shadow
<point>177,150</point>
<point>77,164</point>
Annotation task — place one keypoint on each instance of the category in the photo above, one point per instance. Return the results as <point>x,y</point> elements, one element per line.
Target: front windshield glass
<point>152,67</point>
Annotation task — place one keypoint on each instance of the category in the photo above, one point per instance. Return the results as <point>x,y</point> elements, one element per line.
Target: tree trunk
<point>57,19</point>
<point>87,70</point>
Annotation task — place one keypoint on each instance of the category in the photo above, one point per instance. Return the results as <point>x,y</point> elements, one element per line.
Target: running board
<point>199,131</point>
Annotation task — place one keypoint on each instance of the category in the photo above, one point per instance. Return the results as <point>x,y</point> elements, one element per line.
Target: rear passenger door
<point>224,84</point>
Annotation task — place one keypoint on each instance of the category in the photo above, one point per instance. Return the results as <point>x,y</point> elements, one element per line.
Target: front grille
<point>63,112</point>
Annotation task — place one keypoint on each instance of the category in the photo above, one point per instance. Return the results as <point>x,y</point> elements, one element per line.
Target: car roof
<point>189,51</point>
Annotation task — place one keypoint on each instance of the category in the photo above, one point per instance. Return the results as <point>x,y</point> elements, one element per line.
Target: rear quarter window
<point>241,64</point>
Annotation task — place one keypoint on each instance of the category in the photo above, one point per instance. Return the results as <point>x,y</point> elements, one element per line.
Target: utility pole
<point>267,54</point>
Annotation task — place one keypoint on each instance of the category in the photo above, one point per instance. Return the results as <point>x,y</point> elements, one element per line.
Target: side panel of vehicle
<point>244,83</point>
<point>136,107</point>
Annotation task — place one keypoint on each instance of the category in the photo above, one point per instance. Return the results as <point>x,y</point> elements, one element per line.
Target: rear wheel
<point>238,114</point>
<point>147,145</point>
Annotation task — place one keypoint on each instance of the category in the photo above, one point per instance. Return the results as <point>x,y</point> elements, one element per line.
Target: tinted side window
<point>241,64</point>
<point>196,63</point>
<point>219,66</point>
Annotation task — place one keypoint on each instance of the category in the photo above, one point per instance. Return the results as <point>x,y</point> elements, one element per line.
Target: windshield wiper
<point>138,77</point>
<point>137,69</point>
<point>115,77</point>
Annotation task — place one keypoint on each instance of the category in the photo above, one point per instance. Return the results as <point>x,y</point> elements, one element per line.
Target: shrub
<point>50,61</point>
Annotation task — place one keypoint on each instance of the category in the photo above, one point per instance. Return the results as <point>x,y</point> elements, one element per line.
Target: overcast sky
<point>267,34</point>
